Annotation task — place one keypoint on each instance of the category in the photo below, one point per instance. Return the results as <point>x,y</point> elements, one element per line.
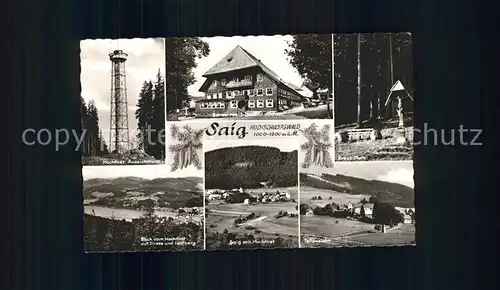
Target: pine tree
<point>144,116</point>
<point>109,239</point>
<point>158,122</point>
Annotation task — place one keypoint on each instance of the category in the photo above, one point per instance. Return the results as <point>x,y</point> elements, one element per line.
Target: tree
<point>158,120</point>
<point>384,59</point>
<point>185,151</point>
<point>182,53</point>
<point>311,56</point>
<point>386,214</point>
<point>93,140</point>
<point>109,239</point>
<point>317,147</point>
<point>144,115</point>
<point>150,115</point>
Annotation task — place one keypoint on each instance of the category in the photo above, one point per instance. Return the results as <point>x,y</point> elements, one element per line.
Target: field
<point>328,231</point>
<point>328,226</point>
<point>403,235</point>
<point>307,193</point>
<point>221,216</point>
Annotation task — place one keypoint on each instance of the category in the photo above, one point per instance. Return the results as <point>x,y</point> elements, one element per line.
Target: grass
<point>307,193</point>
<point>267,228</point>
<point>402,236</point>
<point>324,226</point>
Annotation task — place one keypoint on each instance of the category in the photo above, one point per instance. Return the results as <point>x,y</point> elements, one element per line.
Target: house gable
<point>237,59</point>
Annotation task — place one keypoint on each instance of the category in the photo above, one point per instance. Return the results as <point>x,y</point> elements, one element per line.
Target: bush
<point>238,197</point>
<point>303,208</point>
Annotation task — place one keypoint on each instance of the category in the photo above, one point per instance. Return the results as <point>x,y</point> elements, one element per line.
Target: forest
<point>248,166</point>
<point>381,191</point>
<point>381,59</point>
<point>93,142</point>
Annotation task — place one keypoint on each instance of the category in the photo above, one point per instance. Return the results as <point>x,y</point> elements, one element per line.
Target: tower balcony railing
<point>242,83</point>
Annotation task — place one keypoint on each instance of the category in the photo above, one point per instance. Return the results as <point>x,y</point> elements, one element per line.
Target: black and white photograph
<point>316,141</point>
<point>373,95</point>
<point>251,187</point>
<point>123,101</point>
<point>356,204</point>
<point>184,143</point>
<point>142,208</point>
<point>249,77</point>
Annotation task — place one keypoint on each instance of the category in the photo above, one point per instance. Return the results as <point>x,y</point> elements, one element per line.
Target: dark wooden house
<point>241,82</point>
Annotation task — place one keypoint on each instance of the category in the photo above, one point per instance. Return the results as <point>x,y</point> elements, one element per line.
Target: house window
<point>222,105</point>
<point>236,93</point>
<point>260,92</point>
<point>260,77</point>
<point>229,94</point>
<point>250,93</point>
<point>235,79</point>
<point>248,78</point>
<point>269,103</point>
<point>214,83</point>
<point>251,104</point>
<point>203,105</point>
<point>209,96</point>
<point>233,104</point>
<point>269,91</point>
<point>223,82</point>
<point>219,95</point>
<point>260,103</point>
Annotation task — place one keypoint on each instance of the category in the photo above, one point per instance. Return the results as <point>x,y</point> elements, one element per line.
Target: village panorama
<point>357,204</point>
<point>251,198</point>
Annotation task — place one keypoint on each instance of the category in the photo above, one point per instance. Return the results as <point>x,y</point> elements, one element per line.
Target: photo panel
<point>357,204</point>
<point>123,101</point>
<point>251,184</point>
<point>142,208</point>
<point>373,91</point>
<point>280,77</point>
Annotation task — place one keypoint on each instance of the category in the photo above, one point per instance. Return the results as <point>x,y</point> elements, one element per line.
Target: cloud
<point>145,58</point>
<point>402,176</point>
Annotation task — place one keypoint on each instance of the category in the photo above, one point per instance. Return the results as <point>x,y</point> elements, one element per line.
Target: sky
<point>269,49</point>
<point>142,171</point>
<point>284,144</point>
<point>145,57</point>
<point>393,171</point>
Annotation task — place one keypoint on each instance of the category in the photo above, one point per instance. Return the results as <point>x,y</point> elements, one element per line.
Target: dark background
<point>43,223</point>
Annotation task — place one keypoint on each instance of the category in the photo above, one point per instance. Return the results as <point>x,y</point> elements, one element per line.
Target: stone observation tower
<point>119,141</point>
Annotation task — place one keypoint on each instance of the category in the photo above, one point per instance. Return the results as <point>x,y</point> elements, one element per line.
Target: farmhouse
<point>214,196</point>
<point>364,210</point>
<point>239,83</point>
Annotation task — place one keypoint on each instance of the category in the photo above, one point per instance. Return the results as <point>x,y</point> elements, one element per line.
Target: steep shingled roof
<point>239,58</point>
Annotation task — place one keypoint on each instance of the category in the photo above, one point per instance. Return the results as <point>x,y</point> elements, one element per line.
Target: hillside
<point>381,191</point>
<point>172,192</point>
<point>248,166</point>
